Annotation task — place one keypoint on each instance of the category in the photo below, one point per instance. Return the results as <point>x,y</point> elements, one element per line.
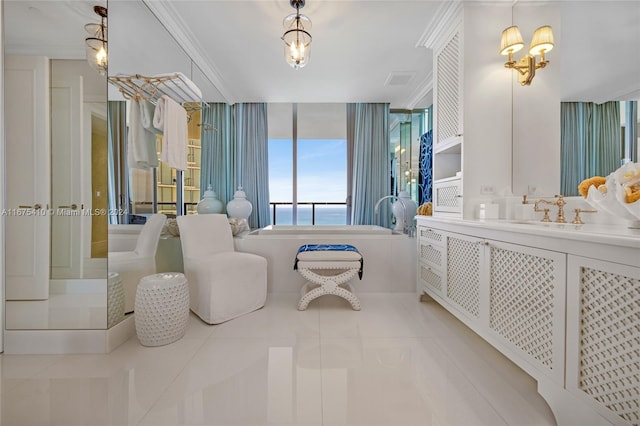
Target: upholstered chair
<point>133,265</point>
<point>223,283</point>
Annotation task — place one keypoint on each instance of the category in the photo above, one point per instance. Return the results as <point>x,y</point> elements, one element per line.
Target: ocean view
<point>325,215</point>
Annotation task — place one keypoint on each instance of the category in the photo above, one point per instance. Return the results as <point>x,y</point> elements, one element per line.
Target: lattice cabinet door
<point>432,257</point>
<point>603,337</point>
<point>464,258</point>
<point>527,305</point>
<point>448,66</point>
<point>447,196</point>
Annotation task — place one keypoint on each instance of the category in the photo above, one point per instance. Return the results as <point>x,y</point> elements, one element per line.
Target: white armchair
<point>133,265</point>
<point>223,283</point>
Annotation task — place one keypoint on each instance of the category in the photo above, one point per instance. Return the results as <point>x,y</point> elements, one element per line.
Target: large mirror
<point>600,89</point>
<point>55,141</point>
<point>596,59</point>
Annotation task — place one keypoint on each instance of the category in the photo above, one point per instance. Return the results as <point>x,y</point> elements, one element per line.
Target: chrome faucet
<point>376,209</point>
<point>560,202</point>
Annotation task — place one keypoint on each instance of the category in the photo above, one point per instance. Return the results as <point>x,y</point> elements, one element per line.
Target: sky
<point>322,170</point>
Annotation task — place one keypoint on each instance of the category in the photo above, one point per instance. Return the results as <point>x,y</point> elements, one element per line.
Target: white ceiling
<point>358,45</point>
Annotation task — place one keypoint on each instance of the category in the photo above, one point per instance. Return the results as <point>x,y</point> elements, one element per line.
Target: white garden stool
<point>328,269</point>
<point>161,308</point>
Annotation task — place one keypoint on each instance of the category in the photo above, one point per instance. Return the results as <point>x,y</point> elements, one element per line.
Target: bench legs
<point>319,285</point>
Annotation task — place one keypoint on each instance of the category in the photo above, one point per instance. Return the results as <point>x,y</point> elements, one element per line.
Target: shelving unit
<point>166,176</point>
<point>447,147</point>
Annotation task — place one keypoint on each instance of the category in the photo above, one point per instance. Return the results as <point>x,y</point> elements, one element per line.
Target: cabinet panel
<point>463,273</point>
<point>431,279</point>
<point>432,255</point>
<point>448,64</point>
<point>430,235</point>
<point>604,337</point>
<point>526,303</point>
<point>447,196</point>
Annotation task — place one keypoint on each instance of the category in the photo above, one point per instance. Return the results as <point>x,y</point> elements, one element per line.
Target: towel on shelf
<point>171,119</point>
<point>141,151</point>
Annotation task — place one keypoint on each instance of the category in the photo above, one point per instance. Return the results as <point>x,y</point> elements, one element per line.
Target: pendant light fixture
<point>97,42</point>
<point>296,37</point>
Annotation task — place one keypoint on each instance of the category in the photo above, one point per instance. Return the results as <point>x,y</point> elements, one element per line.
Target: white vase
<point>239,207</point>
<point>404,209</point>
<point>209,203</point>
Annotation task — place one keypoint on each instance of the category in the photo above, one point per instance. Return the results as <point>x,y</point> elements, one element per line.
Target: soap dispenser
<point>210,202</point>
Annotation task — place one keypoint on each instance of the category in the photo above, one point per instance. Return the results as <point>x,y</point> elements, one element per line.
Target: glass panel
<point>280,116</point>
<point>322,164</point>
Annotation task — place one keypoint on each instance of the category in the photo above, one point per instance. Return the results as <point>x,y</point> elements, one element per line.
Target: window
<point>308,164</point>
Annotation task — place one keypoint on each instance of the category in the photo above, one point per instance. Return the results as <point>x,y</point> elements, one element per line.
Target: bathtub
<point>322,229</point>
<point>389,257</point>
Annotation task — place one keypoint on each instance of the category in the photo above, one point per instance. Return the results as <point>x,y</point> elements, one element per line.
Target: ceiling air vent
<point>399,78</point>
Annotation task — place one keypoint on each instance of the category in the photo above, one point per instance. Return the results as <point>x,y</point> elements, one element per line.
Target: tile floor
<point>396,362</point>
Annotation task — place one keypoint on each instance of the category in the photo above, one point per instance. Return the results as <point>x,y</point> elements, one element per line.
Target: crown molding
<point>442,20</point>
<point>425,86</point>
<point>51,52</point>
<point>170,19</point>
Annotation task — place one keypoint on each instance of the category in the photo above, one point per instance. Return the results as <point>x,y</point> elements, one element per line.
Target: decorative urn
<point>239,207</point>
<point>210,202</point>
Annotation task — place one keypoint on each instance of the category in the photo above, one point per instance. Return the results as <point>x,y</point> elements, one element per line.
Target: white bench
<point>328,269</point>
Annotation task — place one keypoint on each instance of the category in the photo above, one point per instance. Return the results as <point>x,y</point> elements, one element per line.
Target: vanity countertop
<point>617,235</point>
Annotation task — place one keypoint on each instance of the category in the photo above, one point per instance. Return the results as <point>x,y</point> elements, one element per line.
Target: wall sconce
<point>511,42</point>
<point>97,42</point>
<point>297,39</point>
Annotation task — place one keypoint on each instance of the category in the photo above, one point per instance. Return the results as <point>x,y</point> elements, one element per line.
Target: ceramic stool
<point>328,269</point>
<point>161,308</point>
<point>115,299</point>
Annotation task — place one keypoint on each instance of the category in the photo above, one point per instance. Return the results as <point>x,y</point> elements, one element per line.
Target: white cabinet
<point>569,320</point>
<point>448,124</point>
<point>526,307</point>
<point>603,337</point>
<point>471,108</point>
<point>512,295</point>
<point>432,257</point>
<point>448,68</point>
<point>447,195</point>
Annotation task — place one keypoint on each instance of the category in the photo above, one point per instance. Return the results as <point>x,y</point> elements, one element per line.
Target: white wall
<point>487,105</point>
<point>536,110</point>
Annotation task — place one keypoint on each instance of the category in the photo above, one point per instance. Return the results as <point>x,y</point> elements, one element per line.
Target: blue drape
<point>252,147</point>
<point>117,174</point>
<point>631,129</point>
<point>370,161</point>
<point>590,142</point>
<point>217,165</point>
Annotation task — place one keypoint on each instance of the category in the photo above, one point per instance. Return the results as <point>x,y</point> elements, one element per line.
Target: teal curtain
<point>117,172</point>
<point>590,142</point>
<point>370,162</point>
<point>252,146</point>
<point>631,129</point>
<point>217,164</point>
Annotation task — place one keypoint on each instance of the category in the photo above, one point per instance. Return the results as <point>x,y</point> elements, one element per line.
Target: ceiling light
<point>97,42</point>
<point>296,37</point>
<point>511,42</point>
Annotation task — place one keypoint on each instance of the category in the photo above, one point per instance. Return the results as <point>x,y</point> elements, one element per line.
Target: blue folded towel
<point>321,247</point>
